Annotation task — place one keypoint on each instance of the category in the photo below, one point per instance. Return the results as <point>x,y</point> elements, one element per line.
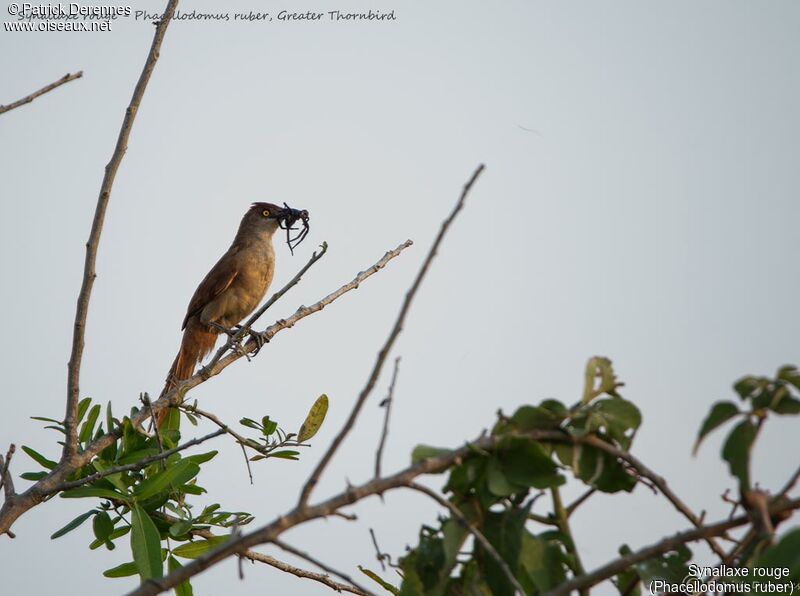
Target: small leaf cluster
<point>759,397</point>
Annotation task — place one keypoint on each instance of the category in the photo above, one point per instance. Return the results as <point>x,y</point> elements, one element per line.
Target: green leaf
<point>721,412</point>
<point>117,533</point>
<point>268,426</point>
<point>746,385</point>
<point>201,458</point>
<point>124,570</point>
<point>543,560</point>
<point>139,454</point>
<point>102,526</point>
<point>180,528</point>
<point>33,475</point>
<point>504,532</point>
<point>44,419</point>
<point>314,420</point>
<point>83,405</point>
<point>73,524</point>
<point>87,430</point>
<point>534,417</point>
<point>192,550</point>
<point>496,481</point>
<point>109,418</point>
<point>784,555</point>
<point>736,451</point>
<point>285,454</point>
<point>176,475</point>
<point>790,374</point>
<point>145,544</point>
<point>250,423</point>
<point>422,452</point>
<point>379,580</point>
<point>184,588</point>
<point>525,462</point>
<point>39,458</point>
<point>788,405</point>
<point>620,411</point>
<point>93,491</point>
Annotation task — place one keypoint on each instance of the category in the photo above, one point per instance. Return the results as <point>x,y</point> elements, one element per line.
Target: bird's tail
<point>198,340</point>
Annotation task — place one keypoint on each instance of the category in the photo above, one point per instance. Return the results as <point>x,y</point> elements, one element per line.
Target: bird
<point>233,287</point>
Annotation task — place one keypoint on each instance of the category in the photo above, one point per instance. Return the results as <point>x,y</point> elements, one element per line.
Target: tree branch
<point>46,89</point>
<point>667,544</point>
<point>387,346</point>
<point>386,403</point>
<point>659,481</point>
<point>302,573</point>
<point>487,546</point>
<point>6,478</point>
<point>306,557</point>
<point>143,463</point>
<point>89,274</point>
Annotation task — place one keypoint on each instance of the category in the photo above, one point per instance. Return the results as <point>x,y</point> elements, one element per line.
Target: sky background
<point>639,202</point>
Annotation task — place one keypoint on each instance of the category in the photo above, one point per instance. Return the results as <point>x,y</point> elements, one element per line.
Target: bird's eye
<point>265,213</point>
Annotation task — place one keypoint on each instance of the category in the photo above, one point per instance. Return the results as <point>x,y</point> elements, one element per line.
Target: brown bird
<point>234,286</point>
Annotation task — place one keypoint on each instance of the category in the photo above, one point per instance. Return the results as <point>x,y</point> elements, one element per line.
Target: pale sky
<point>639,202</point>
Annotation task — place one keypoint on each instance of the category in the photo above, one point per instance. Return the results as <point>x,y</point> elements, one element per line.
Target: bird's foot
<point>259,338</point>
<point>234,339</point>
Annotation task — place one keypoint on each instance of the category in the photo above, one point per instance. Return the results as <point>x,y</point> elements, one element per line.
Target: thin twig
<point>579,501</point>
<point>387,346</point>
<point>789,484</point>
<point>667,544</point>
<point>47,88</point>
<point>146,401</point>
<point>302,573</point>
<point>6,479</point>
<point>272,561</point>
<point>328,569</point>
<point>487,546</point>
<point>378,553</point>
<point>226,429</point>
<point>386,403</point>
<point>659,481</point>
<point>89,274</point>
<point>143,463</point>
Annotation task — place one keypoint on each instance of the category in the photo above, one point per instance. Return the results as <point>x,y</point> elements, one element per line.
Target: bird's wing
<point>217,281</point>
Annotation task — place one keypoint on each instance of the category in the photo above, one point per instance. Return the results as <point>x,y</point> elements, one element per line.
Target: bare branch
<point>789,484</point>
<point>666,545</point>
<point>89,274</point>
<point>306,557</point>
<point>6,479</point>
<point>302,573</point>
<point>659,481</point>
<point>579,501</point>
<point>487,546</point>
<point>386,403</point>
<point>143,463</point>
<point>47,88</point>
<point>387,346</point>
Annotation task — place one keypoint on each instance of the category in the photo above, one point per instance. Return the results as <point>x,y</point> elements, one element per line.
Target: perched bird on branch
<point>234,286</point>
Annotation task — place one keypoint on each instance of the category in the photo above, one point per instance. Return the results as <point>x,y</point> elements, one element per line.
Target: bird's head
<point>268,217</point>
